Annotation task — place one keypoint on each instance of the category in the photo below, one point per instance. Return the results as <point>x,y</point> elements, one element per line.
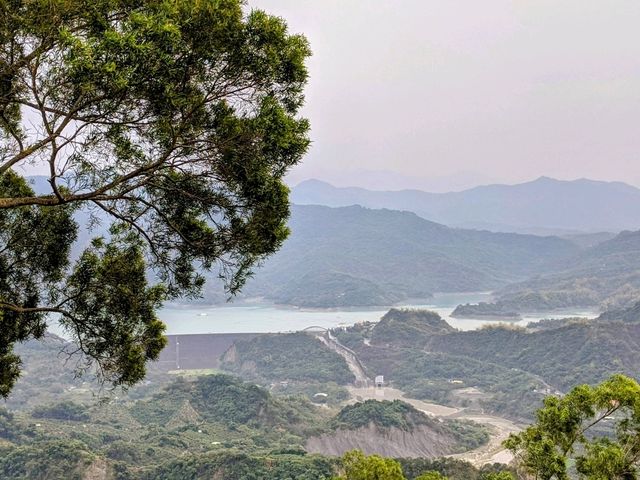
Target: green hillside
<point>606,275</point>
<point>578,352</point>
<point>406,327</point>
<point>297,357</point>
<point>357,256</point>
<point>387,414</point>
<point>512,367</point>
<point>213,426</point>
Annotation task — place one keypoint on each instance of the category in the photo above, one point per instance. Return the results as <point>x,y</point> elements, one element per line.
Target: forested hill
<point>606,275</point>
<point>542,206</point>
<point>358,256</point>
<point>509,368</point>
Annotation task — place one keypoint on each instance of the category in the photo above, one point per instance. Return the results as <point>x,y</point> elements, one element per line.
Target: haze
<point>449,94</point>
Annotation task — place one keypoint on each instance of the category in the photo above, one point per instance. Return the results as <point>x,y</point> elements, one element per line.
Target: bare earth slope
<point>422,441</point>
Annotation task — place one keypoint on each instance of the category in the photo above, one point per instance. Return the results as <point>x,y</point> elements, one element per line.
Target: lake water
<point>248,317</point>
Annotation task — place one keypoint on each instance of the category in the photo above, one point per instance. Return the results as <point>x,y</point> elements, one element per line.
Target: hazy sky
<point>470,91</point>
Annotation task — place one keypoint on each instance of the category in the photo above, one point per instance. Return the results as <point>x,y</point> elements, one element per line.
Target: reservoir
<point>265,318</point>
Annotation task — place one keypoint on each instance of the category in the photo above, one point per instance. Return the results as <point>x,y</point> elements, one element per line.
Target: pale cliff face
<point>421,442</point>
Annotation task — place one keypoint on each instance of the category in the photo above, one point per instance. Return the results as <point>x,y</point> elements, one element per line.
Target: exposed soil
<point>421,441</point>
<point>492,452</point>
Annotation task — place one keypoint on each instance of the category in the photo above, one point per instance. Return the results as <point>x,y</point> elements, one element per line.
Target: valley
<point>449,396</point>
<point>285,240</point>
<point>499,428</point>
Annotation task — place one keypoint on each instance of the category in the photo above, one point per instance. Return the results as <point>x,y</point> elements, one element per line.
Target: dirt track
<point>492,452</point>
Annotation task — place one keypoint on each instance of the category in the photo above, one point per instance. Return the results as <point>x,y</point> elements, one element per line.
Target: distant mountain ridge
<point>542,206</point>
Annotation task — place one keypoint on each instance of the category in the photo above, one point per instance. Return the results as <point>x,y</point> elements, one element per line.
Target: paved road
<point>388,393</point>
<point>361,378</point>
<point>501,428</point>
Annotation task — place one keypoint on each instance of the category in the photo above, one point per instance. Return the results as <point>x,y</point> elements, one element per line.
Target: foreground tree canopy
<point>358,466</point>
<point>171,121</point>
<point>595,430</point>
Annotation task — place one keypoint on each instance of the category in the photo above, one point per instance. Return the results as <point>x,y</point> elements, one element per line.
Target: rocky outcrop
<point>421,441</point>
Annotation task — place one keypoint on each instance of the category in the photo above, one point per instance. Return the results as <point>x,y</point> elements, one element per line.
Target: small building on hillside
<point>379,381</point>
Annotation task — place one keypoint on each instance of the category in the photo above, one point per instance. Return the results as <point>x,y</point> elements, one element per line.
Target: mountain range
<point>357,256</point>
<point>543,206</point>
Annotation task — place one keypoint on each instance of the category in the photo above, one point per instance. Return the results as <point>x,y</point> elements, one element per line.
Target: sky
<point>447,94</point>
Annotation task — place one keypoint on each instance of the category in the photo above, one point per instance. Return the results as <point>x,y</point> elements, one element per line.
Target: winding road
<point>501,428</point>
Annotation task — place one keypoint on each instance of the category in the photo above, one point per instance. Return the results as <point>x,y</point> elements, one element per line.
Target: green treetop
<point>358,466</point>
<point>172,121</point>
<point>564,434</point>
<point>431,476</point>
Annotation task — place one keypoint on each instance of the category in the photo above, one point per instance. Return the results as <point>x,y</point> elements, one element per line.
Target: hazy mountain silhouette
<point>542,206</point>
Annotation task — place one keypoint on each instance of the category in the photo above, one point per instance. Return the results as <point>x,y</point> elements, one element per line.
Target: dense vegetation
<point>384,414</point>
<point>297,357</point>
<point>450,468</point>
<point>589,351</point>
<point>176,121</point>
<point>513,367</point>
<point>49,377</point>
<point>221,421</point>
<point>398,414</point>
<point>357,466</point>
<point>213,415</point>
<point>407,327</point>
<point>193,427</point>
<point>45,377</point>
<point>438,377</point>
<point>244,467</point>
<point>606,275</point>
<point>61,411</point>
<point>563,438</point>
<point>45,459</point>
<point>335,289</point>
<point>327,260</point>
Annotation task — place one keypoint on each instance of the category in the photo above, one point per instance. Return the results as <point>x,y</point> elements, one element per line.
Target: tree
<point>564,432</point>
<point>432,475</point>
<point>172,122</point>
<point>498,476</point>
<point>358,466</point>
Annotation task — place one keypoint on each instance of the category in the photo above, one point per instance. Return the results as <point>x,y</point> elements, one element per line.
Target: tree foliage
<point>431,476</point>
<point>385,414</point>
<point>358,466</point>
<point>61,411</point>
<point>172,121</point>
<point>296,357</point>
<point>564,432</point>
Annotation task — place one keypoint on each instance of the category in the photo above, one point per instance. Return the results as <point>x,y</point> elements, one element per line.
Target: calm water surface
<point>236,318</point>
